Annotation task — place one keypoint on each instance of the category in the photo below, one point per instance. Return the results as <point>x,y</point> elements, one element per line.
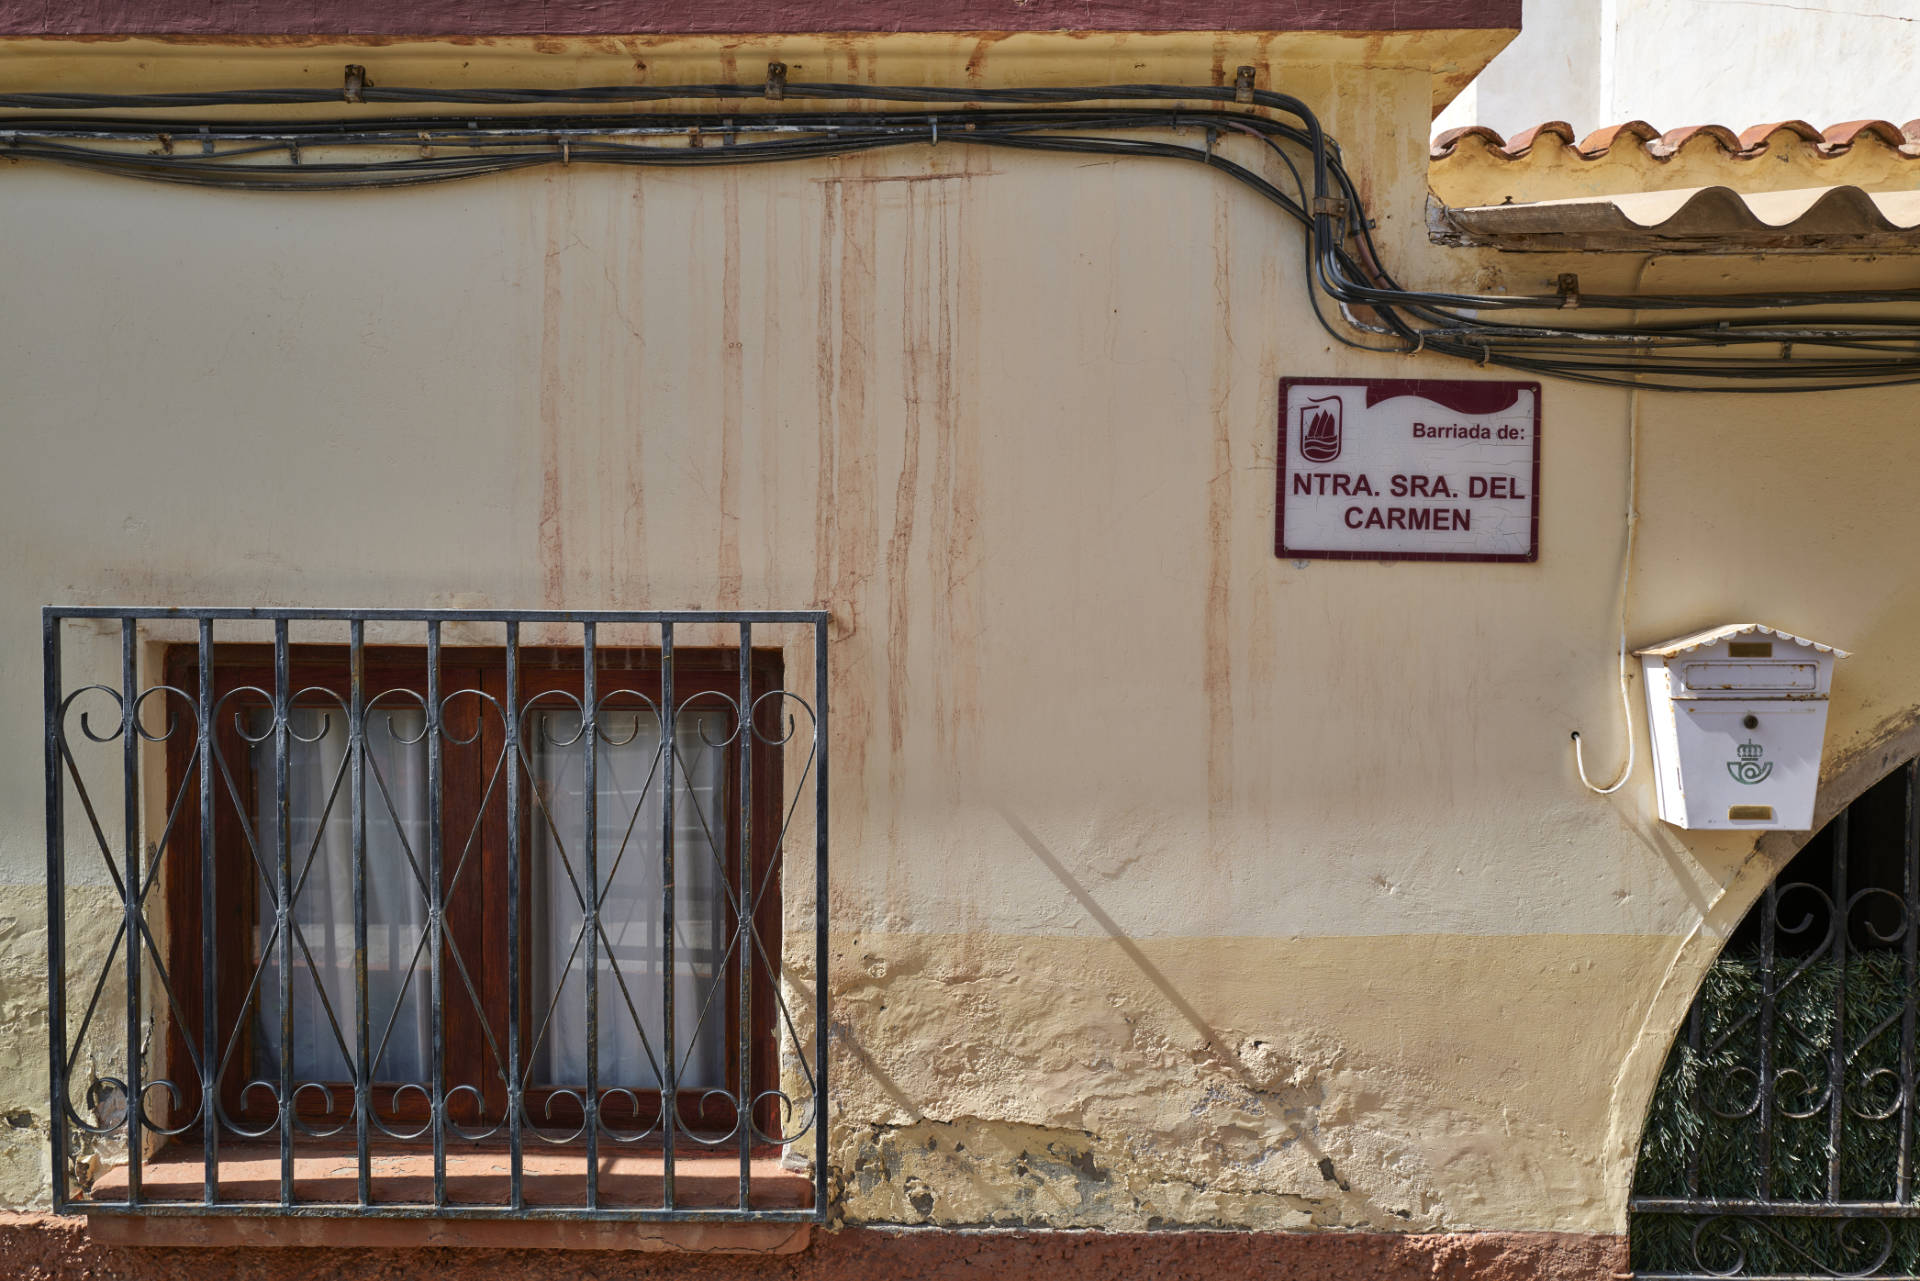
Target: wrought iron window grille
<point>1781,1141</point>
<point>575,906</point>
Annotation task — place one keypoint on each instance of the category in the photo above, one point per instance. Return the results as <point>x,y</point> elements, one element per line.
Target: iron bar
<point>1837,1048</point>
<point>1769,925</point>
<point>56,913</point>
<point>362,1021</point>
<point>300,614</point>
<point>1695,1037</point>
<point>131,905</point>
<point>1910,970</point>
<point>436,918</point>
<point>133,881</point>
<point>743,728</point>
<point>819,1118</point>
<point>1765,1209</point>
<point>283,897</point>
<point>516,1157</point>
<point>454,1210</point>
<point>209,906</point>
<point>280,792</point>
<point>669,752</point>
<point>589,737</point>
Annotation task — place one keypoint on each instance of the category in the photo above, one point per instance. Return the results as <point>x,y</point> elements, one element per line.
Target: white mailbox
<point>1738,717</point>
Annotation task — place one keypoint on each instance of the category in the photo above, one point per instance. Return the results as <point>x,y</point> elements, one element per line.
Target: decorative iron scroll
<point>1781,1142</point>
<point>147,1067</point>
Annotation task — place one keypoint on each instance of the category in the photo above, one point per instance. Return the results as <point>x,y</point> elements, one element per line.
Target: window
<point>479,930</point>
<point>435,838</point>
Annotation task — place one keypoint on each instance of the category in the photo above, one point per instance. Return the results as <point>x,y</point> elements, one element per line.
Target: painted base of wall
<point>46,1248</point>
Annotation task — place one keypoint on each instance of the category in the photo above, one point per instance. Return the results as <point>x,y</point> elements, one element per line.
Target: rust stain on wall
<point>630,560</point>
<point>551,534</point>
<point>772,417</point>
<point>1217,658</point>
<point>731,376</point>
<point>977,60</point>
<point>952,550</point>
<point>1260,671</point>
<point>856,519</point>
<point>825,375</point>
<point>916,347</point>
<point>940,516</point>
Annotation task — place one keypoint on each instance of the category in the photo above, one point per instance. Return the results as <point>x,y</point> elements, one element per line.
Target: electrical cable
<point>1626,584</point>
<point>1763,350</point>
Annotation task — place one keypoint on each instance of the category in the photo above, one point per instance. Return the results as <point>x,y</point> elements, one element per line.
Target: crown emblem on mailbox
<point>1749,768</point>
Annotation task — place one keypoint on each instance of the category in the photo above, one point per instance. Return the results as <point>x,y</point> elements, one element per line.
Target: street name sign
<point>1408,469</point>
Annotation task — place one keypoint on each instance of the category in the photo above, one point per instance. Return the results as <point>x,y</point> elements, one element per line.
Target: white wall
<point>1690,62</point>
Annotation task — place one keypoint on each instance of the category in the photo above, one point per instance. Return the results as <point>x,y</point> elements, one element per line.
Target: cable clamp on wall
<point>776,80</point>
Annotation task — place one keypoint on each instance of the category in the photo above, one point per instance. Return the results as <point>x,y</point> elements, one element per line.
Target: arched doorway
<point>1782,1140</point>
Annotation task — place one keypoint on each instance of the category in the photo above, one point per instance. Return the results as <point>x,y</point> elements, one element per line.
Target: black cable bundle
<point>1738,352</point>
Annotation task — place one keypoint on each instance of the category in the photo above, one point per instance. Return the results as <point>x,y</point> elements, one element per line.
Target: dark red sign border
<point>1442,391</point>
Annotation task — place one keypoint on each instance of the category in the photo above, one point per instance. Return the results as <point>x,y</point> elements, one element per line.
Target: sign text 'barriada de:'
<point>1408,469</point>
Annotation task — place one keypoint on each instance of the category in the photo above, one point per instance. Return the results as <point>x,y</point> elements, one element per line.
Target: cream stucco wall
<point>1166,872</point>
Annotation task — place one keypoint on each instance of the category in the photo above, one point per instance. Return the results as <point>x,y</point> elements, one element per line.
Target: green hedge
<point>1683,1121</point>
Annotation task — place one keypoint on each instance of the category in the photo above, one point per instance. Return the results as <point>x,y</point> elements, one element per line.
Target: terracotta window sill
<point>476,1177</point>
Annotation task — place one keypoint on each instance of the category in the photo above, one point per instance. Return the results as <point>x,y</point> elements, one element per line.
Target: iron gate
<point>1781,1141</point>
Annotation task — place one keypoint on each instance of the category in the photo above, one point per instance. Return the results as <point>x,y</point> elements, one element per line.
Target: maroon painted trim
<point>41,1245</point>
<point>742,17</point>
<point>1460,395</point>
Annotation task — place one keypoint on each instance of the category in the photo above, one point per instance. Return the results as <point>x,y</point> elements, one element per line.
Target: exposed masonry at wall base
<point>976,1173</point>
<point>43,1248</point>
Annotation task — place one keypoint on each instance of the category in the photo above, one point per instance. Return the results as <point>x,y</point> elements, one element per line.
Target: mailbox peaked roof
<point>1714,635</point>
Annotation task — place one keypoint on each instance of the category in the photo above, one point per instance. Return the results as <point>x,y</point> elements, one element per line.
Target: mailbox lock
<point>1750,721</point>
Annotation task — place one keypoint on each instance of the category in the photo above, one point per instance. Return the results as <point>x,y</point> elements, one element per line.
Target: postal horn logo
<point>1749,768</point>
<point>1320,429</point>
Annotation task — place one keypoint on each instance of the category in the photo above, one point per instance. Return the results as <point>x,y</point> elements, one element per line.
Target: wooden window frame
<point>475,920</point>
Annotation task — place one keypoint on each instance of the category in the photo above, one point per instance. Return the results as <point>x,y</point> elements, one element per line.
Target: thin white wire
<point>1626,581</point>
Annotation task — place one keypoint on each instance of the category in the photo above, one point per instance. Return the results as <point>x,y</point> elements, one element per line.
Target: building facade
<point>1064,878</point>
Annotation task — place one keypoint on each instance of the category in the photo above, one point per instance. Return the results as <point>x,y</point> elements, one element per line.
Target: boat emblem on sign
<point>1320,429</point>
<point>1749,768</point>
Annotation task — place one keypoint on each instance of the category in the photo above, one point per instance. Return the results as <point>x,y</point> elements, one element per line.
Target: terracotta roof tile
<point>1751,138</point>
<point>1526,139</point>
<point>1674,139</point>
<point>1444,143</point>
<point>1845,135</point>
<point>1600,141</point>
<point>1832,141</point>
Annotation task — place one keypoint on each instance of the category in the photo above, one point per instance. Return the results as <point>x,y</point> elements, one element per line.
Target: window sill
<point>476,1178</point>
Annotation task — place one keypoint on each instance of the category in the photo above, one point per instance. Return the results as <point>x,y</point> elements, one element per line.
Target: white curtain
<point>628,788</point>
<point>321,823</point>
